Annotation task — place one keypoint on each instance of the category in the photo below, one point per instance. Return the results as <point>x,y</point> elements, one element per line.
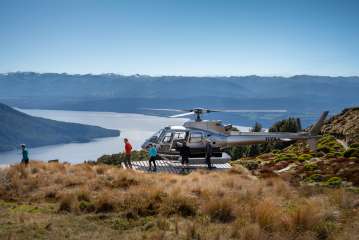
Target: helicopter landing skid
<point>170,166</point>
<point>225,158</point>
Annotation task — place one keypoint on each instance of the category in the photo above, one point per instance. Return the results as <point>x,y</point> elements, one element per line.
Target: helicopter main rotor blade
<point>182,115</point>
<point>166,109</point>
<point>252,111</point>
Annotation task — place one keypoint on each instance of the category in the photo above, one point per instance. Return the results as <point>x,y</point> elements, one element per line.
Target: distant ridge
<point>130,93</point>
<point>17,127</point>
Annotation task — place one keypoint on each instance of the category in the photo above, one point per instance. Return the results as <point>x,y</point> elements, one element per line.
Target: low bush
<point>266,214</point>
<point>315,178</point>
<point>288,156</point>
<point>143,202</point>
<point>351,152</point>
<point>104,203</point>
<point>334,155</point>
<point>310,166</point>
<point>304,157</point>
<point>67,203</point>
<point>86,206</point>
<point>179,204</point>
<point>117,159</point>
<point>354,145</point>
<point>251,164</point>
<point>325,149</point>
<point>219,210</point>
<point>334,182</point>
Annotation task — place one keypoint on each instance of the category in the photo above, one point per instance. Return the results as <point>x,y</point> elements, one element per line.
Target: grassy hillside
<point>62,201</point>
<point>17,128</point>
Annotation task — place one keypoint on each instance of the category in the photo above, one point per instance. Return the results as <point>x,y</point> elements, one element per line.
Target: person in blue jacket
<point>152,151</point>
<point>25,155</point>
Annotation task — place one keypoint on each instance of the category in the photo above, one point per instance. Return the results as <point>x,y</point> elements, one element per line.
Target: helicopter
<point>198,133</point>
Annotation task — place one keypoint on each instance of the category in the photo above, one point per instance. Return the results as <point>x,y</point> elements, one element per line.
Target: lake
<point>136,127</point>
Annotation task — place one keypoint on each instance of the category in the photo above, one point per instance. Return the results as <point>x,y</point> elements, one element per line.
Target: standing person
<point>209,151</point>
<point>184,153</point>
<point>128,150</point>
<point>25,155</point>
<point>152,151</point>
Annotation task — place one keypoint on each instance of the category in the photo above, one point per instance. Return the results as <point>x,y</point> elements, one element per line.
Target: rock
<point>280,165</point>
<point>315,159</point>
<point>53,161</point>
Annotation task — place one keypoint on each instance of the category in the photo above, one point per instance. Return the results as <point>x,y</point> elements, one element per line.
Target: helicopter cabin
<point>170,139</point>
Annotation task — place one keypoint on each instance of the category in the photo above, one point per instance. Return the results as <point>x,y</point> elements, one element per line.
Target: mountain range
<point>303,96</point>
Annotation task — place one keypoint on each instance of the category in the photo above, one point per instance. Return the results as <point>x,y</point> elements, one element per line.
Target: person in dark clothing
<point>25,155</point>
<point>184,153</point>
<point>209,152</point>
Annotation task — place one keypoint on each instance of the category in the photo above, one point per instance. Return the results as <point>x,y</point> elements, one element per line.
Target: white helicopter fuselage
<point>197,134</point>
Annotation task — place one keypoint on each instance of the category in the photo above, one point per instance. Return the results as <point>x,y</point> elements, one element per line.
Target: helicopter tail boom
<point>315,130</point>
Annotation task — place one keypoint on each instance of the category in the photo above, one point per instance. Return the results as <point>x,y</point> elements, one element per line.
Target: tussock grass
<point>202,205</point>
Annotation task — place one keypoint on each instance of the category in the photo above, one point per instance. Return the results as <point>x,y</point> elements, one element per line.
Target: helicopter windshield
<point>156,136</point>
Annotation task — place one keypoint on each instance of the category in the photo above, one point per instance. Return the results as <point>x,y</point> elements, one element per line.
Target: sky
<point>181,37</point>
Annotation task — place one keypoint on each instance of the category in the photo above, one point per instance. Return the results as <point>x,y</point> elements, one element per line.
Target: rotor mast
<point>198,112</point>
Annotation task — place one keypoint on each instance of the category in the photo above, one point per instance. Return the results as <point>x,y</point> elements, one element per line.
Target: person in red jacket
<point>128,150</point>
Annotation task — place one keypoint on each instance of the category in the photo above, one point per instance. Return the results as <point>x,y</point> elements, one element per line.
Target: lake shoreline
<point>136,127</point>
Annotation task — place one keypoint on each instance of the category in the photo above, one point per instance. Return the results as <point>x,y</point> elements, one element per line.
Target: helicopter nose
<point>144,145</point>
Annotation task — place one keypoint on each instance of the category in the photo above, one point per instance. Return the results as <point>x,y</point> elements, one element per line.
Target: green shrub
<point>354,145</point>
<point>310,166</point>
<point>328,144</point>
<point>326,139</point>
<point>334,182</point>
<point>117,159</point>
<point>319,154</point>
<point>334,154</point>
<point>351,152</point>
<point>285,157</point>
<point>251,164</point>
<point>304,157</point>
<point>86,206</point>
<point>314,178</point>
<point>325,149</point>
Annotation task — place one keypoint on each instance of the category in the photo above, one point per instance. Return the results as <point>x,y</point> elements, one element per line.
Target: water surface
<point>136,127</point>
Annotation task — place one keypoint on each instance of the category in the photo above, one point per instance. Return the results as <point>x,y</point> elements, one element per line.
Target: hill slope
<point>344,125</point>
<point>105,202</point>
<point>17,127</point>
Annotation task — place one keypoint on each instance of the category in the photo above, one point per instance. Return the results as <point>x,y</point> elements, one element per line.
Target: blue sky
<point>183,37</point>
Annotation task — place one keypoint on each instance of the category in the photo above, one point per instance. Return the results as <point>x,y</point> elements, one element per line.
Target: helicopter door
<point>197,144</point>
<point>178,137</point>
<point>166,142</point>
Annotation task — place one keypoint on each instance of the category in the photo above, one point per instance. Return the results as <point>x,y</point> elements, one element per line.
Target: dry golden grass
<point>105,202</point>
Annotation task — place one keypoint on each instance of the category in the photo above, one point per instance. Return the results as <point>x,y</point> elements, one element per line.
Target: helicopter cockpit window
<point>179,136</point>
<point>196,137</point>
<point>157,134</point>
<point>155,137</point>
<point>167,138</point>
